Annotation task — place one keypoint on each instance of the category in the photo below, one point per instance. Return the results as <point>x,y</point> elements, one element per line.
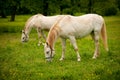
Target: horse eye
<point>47,52</point>
<point>23,38</point>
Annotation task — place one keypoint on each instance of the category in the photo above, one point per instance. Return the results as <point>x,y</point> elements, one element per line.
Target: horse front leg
<point>39,35</point>
<point>96,40</point>
<point>63,49</point>
<point>43,34</point>
<point>73,41</point>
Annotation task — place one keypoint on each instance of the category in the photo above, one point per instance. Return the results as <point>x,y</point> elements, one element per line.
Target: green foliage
<point>35,6</point>
<point>105,8</point>
<point>112,10</point>
<point>118,3</point>
<point>52,7</point>
<point>25,61</point>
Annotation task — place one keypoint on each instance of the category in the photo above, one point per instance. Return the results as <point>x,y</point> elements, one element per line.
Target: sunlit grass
<point>12,27</point>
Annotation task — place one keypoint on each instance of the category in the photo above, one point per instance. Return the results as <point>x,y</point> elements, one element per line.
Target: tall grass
<point>26,61</point>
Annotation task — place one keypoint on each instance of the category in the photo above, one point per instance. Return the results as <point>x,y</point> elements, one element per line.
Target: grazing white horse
<point>71,27</point>
<point>40,22</point>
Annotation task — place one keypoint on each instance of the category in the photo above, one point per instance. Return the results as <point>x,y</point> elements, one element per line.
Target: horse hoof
<point>61,59</point>
<point>93,57</point>
<point>38,44</point>
<point>78,60</point>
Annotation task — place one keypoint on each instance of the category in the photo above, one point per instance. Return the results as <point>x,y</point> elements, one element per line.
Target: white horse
<point>39,22</point>
<point>72,27</point>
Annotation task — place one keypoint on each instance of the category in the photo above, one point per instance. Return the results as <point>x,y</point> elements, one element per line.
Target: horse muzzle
<point>24,40</point>
<point>49,59</point>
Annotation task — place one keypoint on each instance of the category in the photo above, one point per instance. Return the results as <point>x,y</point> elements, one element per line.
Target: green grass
<point>26,61</point>
<point>11,27</point>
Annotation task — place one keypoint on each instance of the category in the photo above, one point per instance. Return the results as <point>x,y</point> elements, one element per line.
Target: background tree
<point>35,6</point>
<point>45,7</point>
<point>9,7</point>
<point>90,6</point>
<point>52,7</point>
<point>105,7</point>
<point>118,4</point>
<point>3,7</point>
<point>13,5</point>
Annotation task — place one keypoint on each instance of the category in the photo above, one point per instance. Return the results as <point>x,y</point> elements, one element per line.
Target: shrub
<point>112,10</point>
<point>105,9</point>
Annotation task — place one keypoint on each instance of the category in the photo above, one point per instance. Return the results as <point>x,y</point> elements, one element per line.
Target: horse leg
<point>96,40</point>
<point>39,35</point>
<point>93,36</point>
<point>44,36</point>
<point>73,41</point>
<point>63,49</point>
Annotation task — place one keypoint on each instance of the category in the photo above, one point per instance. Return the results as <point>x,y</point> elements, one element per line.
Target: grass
<point>11,27</point>
<point>26,61</point>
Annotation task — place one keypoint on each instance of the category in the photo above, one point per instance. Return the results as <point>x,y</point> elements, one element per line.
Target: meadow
<point>26,61</point>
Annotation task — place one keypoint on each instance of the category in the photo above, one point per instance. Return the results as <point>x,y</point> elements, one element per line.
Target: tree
<point>118,3</point>
<point>106,8</point>
<point>35,6</point>
<point>14,5</point>
<point>45,7</point>
<point>75,6</point>
<point>51,7</point>
<point>3,7</point>
<point>90,6</point>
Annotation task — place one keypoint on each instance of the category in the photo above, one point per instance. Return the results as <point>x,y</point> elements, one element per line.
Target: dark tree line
<point>52,7</point>
<point>9,7</point>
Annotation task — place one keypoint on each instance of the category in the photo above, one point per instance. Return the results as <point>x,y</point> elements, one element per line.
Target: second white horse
<point>71,27</point>
<point>40,22</point>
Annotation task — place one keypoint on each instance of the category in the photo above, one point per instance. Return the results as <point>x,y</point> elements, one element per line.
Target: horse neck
<point>29,25</point>
<point>27,29</point>
<point>54,33</point>
<point>52,36</point>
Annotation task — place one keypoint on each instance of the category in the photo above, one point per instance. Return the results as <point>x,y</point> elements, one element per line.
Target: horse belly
<point>78,33</point>
<point>82,31</point>
<point>82,28</point>
<point>83,34</point>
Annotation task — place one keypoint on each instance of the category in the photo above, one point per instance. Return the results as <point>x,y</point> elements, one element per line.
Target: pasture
<point>26,61</point>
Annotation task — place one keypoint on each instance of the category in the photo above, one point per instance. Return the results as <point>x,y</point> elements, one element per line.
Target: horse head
<point>49,52</point>
<point>24,37</point>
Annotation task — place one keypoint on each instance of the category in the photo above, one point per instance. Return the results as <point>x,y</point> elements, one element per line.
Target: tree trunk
<point>61,9</point>
<point>13,12</point>
<point>3,15</point>
<point>90,6</point>
<point>12,17</point>
<point>45,7</point>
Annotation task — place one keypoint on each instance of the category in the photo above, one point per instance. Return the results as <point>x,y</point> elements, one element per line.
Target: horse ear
<point>23,31</point>
<point>47,43</point>
<point>49,46</point>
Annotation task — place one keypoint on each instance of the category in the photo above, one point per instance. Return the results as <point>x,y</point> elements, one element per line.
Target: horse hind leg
<point>92,35</point>
<point>95,36</point>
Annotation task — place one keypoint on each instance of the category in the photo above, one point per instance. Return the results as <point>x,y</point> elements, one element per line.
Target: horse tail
<point>104,36</point>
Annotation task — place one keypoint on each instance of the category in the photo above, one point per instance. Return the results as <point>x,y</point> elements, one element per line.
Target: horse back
<point>80,26</point>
